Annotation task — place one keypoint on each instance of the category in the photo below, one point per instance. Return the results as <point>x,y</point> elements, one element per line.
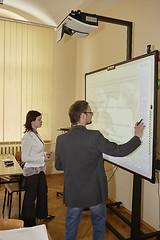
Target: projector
<point>77,24</point>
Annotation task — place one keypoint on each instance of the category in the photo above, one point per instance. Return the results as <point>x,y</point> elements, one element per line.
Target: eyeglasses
<point>88,112</point>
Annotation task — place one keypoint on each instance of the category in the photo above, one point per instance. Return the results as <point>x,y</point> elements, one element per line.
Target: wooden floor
<point>56,227</point>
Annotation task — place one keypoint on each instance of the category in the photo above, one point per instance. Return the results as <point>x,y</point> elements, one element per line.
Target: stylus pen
<point>139,122</point>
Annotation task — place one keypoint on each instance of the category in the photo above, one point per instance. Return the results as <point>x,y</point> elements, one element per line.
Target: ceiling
<point>51,12</point>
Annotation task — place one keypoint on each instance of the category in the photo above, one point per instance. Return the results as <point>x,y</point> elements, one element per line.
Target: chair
<point>11,188</point>
<point>49,236</point>
<point>6,224</point>
<point>18,158</point>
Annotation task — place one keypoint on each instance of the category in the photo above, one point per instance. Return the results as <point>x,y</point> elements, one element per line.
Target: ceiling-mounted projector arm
<point>77,24</point>
<point>80,24</point>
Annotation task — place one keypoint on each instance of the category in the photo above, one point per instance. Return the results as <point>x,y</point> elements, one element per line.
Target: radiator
<point>10,148</point>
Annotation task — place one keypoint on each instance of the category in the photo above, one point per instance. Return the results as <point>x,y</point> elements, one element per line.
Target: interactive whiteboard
<point>120,95</point>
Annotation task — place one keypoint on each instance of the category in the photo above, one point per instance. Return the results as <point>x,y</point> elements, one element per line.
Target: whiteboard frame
<point>154,125</point>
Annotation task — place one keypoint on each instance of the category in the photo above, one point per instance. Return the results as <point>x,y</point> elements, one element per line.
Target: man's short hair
<point>76,109</point>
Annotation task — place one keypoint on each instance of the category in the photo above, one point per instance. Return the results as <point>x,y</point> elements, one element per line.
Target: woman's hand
<point>139,127</point>
<point>47,157</point>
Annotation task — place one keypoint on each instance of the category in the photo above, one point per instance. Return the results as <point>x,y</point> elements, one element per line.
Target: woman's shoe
<point>49,217</point>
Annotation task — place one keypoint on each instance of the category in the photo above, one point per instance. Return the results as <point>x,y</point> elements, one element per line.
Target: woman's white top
<point>33,153</point>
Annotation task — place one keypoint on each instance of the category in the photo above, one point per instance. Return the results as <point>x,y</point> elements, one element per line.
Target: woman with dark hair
<point>34,171</point>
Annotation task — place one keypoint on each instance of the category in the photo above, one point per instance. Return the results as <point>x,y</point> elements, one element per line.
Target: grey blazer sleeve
<point>115,150</point>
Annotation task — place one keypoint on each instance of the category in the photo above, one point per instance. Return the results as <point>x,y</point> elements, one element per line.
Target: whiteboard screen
<point>121,95</point>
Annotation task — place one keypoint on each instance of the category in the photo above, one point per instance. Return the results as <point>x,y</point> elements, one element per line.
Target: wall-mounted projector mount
<point>79,24</point>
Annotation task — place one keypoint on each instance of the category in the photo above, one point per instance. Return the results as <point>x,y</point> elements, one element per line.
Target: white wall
<point>64,82</point>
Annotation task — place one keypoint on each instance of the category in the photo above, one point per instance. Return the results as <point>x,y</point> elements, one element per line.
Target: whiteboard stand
<point>136,233</point>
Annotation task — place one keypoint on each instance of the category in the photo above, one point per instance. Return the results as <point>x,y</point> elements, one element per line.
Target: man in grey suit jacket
<point>79,154</point>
